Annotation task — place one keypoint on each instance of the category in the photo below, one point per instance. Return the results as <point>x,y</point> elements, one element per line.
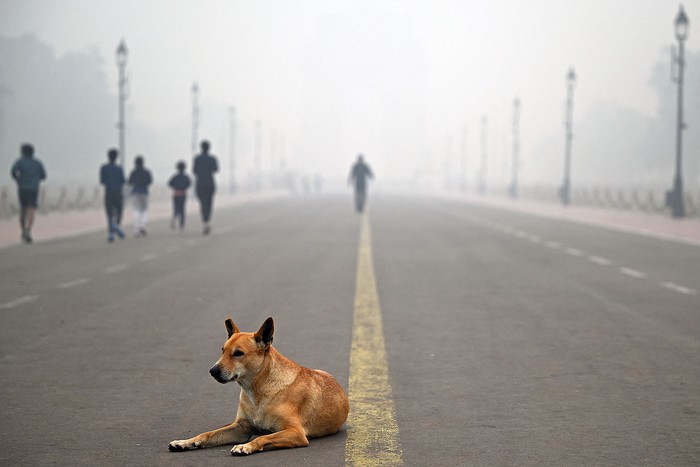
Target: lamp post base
<point>564,194</point>
<point>674,200</point>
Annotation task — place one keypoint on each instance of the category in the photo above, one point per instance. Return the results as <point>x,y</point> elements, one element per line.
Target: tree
<point>61,105</point>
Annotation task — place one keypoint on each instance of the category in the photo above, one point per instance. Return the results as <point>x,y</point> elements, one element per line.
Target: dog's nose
<point>215,371</point>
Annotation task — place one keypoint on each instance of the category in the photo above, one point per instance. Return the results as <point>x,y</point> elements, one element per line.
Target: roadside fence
<point>65,198</point>
<point>643,200</point>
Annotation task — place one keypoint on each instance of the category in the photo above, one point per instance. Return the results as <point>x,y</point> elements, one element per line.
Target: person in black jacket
<point>204,168</point>
<point>139,179</point>
<point>179,182</point>
<point>112,177</point>
<point>28,172</point>
<point>359,174</point>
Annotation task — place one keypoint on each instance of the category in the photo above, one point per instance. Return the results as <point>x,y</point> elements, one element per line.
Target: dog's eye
<point>238,353</point>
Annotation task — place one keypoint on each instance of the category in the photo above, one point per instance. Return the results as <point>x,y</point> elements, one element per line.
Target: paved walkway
<point>655,225</point>
<point>59,224</point>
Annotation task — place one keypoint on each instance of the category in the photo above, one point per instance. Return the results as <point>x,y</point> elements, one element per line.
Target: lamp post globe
<point>571,79</point>
<point>681,25</point>
<point>122,54</point>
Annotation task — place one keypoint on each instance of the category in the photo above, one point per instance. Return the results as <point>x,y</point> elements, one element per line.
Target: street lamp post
<point>463,163</point>
<point>516,148</point>
<point>565,190</point>
<point>257,155</point>
<point>674,198</point>
<point>484,155</point>
<point>122,55</point>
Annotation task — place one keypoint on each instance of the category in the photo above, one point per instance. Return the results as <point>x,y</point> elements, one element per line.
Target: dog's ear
<point>231,327</point>
<point>264,334</point>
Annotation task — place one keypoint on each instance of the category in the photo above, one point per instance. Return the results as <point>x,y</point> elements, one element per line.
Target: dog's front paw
<point>242,450</point>
<point>183,445</point>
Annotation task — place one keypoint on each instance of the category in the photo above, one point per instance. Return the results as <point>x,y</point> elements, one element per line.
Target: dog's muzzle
<point>222,376</point>
<point>215,371</point>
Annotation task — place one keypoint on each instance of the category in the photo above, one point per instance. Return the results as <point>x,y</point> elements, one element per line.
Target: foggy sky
<point>395,80</point>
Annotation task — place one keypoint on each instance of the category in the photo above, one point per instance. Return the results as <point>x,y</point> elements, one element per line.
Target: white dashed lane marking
<point>74,283</point>
<point>599,260</point>
<point>116,268</point>
<point>633,273</point>
<point>18,301</point>
<point>678,288</point>
<point>84,280</point>
<point>574,251</point>
<point>553,245</point>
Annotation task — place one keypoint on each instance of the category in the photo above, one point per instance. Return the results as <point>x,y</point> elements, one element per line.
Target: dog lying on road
<point>282,404</point>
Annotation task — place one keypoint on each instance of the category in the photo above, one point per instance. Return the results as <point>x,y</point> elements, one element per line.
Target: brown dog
<point>282,404</point>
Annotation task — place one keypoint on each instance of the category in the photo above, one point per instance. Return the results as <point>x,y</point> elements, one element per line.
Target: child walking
<point>179,182</point>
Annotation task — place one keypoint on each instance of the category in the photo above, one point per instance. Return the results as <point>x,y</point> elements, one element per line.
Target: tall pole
<point>195,116</point>
<point>447,163</point>
<point>257,158</point>
<point>273,151</point>
<point>516,148</point>
<point>679,209</point>
<point>122,55</point>
<point>4,91</point>
<point>565,190</point>
<point>484,155</point>
<point>231,149</point>
<point>674,199</point>
<point>463,165</point>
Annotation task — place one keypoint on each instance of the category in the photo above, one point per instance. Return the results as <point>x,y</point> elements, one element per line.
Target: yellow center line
<point>373,435</point>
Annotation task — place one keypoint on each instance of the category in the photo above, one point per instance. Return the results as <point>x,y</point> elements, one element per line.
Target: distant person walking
<point>28,172</point>
<point>204,167</point>
<point>139,179</point>
<point>112,177</point>
<point>359,174</point>
<point>179,182</point>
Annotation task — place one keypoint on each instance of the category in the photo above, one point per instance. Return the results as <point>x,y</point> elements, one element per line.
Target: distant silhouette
<point>139,179</point>
<point>28,172</point>
<point>112,177</point>
<point>204,167</point>
<point>179,182</point>
<point>359,174</point>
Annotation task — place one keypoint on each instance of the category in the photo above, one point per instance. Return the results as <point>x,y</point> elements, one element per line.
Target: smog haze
<point>406,83</point>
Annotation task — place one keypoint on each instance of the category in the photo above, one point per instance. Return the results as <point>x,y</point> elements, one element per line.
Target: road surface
<point>508,339</point>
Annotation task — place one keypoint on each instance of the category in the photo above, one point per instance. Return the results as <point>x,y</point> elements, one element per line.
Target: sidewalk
<point>59,224</point>
<point>651,225</point>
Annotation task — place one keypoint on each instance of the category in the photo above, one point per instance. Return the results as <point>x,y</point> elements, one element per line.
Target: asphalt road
<point>510,339</point>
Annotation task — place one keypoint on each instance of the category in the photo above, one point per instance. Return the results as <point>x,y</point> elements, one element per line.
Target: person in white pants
<point>139,179</point>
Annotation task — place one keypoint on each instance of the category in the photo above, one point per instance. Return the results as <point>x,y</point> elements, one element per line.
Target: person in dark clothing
<point>28,172</point>
<point>139,179</point>
<point>179,182</point>
<point>204,167</point>
<point>112,177</point>
<point>359,174</point>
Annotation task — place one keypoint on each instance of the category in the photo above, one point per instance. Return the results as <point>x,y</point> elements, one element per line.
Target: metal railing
<point>642,200</point>
<point>65,198</point>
